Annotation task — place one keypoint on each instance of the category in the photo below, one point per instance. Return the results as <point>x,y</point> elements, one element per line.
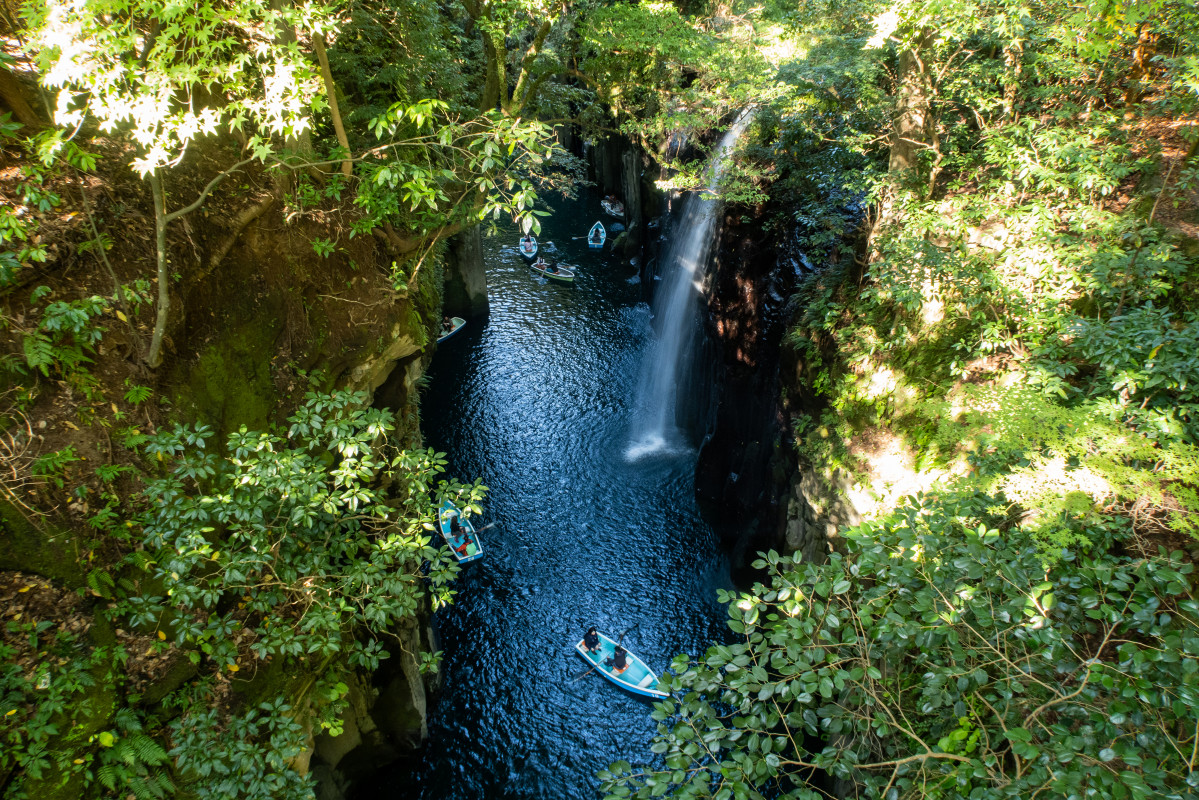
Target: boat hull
<point>613,209</point>
<point>563,275</point>
<point>465,548</point>
<point>594,242</point>
<point>637,678</point>
<point>458,323</point>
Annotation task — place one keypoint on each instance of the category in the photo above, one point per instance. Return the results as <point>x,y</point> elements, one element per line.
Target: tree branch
<point>212,184</point>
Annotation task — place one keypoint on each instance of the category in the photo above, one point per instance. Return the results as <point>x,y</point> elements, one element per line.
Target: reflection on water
<point>536,401</point>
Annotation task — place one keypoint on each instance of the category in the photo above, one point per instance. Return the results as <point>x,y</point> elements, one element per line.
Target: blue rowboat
<point>466,546</point>
<point>596,236</point>
<point>529,247</point>
<point>456,324</point>
<point>636,677</point>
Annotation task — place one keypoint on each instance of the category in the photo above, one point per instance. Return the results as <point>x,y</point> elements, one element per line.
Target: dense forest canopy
<point>1001,200</point>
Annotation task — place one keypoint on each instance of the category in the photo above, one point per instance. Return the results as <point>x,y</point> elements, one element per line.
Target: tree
<point>498,22</point>
<point>166,76</point>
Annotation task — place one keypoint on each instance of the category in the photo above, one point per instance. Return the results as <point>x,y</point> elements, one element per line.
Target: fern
<point>39,352</point>
<point>131,760</point>
<point>101,583</point>
<point>141,748</point>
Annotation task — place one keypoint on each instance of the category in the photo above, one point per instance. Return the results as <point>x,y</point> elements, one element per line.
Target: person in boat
<point>553,267</point>
<point>591,640</point>
<point>595,236</point>
<point>447,325</point>
<point>539,263</point>
<point>458,532</point>
<point>527,242</point>
<point>619,661</point>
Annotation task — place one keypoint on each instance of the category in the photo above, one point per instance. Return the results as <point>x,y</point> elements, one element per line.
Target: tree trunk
<point>521,93</point>
<point>491,88</point>
<point>1013,59</point>
<point>301,143</point>
<point>154,359</point>
<point>318,44</point>
<point>913,126</point>
<point>12,96</point>
<point>1142,56</point>
<point>500,68</point>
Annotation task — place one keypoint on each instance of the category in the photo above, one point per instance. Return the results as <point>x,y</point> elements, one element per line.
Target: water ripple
<point>537,403</point>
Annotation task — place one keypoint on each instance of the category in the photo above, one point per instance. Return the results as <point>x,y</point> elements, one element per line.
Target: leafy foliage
<point>139,66</point>
<point>131,762</point>
<point>246,756</point>
<point>320,560</point>
<point>938,658</point>
<point>35,700</point>
<point>434,171</point>
<point>1020,319</point>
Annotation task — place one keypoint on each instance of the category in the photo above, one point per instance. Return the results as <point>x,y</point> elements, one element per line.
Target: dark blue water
<point>536,401</point>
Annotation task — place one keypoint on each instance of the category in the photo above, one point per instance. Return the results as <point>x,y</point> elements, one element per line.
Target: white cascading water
<point>655,429</point>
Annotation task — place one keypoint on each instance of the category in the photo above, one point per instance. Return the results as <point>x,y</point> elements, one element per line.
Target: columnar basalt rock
<point>465,276</point>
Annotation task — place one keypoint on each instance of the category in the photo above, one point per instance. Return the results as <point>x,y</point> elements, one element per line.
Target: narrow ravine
<point>537,402</point>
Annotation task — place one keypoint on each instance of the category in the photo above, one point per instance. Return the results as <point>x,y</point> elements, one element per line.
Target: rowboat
<point>636,677</point>
<point>465,546</point>
<point>456,324</point>
<point>596,236</point>
<point>529,247</point>
<point>613,207</point>
<point>562,273</point>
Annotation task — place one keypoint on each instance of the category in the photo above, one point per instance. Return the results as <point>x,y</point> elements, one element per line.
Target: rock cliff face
<point>754,486</point>
<point>465,278</point>
<point>738,476</point>
<point>247,337</point>
<point>622,169</point>
<point>385,723</point>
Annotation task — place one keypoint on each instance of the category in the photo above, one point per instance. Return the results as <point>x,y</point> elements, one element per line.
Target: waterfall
<point>655,428</point>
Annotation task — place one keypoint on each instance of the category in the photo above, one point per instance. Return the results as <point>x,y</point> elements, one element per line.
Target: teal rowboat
<point>456,324</point>
<point>529,247</point>
<point>596,236</point>
<point>636,677</point>
<point>465,546</point>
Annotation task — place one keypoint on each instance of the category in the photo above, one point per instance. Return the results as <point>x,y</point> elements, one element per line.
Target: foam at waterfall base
<point>653,445</point>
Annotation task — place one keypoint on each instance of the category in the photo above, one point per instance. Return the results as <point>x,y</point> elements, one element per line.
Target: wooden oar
<point>585,674</point>
<point>619,639</point>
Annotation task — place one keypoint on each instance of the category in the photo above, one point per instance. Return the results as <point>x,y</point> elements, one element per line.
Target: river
<point>536,401</point>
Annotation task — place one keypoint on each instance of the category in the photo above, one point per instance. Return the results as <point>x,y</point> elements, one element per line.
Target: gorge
<point>873,428</point>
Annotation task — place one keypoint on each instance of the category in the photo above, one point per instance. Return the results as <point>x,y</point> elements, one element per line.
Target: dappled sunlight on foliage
<point>1012,339</point>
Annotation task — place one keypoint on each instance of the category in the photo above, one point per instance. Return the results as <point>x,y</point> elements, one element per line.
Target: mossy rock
<point>230,383</point>
<point>41,550</point>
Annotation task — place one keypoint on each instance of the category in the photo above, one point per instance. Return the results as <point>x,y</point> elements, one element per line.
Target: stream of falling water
<point>678,318</point>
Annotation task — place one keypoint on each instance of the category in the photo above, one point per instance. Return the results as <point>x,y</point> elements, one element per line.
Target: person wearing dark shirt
<point>619,661</point>
<point>591,640</point>
<point>456,532</point>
